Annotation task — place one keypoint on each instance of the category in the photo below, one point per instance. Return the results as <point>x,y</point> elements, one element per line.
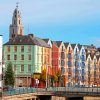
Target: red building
<point>55,56</point>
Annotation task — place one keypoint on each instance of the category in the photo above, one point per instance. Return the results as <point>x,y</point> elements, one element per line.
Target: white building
<point>0,60</point>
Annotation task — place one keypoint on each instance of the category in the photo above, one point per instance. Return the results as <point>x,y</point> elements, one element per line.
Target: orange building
<point>69,65</point>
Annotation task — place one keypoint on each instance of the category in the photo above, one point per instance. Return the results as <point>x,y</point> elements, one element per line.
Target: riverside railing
<point>24,90</point>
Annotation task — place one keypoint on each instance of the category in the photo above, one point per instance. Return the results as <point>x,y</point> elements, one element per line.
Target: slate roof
<point>89,46</point>
<point>46,40</point>
<point>58,43</point>
<point>66,44</point>
<point>97,56</point>
<point>73,45</point>
<point>54,42</point>
<point>27,40</point>
<point>98,49</point>
<point>79,46</point>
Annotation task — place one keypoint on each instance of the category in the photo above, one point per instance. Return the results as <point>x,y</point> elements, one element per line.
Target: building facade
<point>30,55</point>
<point>1,67</point>
<point>69,65</point>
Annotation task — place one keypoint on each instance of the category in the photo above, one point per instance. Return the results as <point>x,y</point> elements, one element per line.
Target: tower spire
<point>16,28</point>
<point>17,3</point>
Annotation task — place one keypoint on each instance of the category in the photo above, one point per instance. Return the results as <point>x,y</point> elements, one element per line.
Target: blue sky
<point>75,21</point>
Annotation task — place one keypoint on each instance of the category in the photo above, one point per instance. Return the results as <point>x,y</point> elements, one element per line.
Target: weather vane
<point>17,4</point>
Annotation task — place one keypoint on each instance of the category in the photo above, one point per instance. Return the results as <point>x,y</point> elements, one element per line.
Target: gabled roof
<point>97,56</point>
<point>46,40</point>
<point>66,44</point>
<point>27,40</point>
<point>58,43</point>
<point>79,46</point>
<point>92,56</point>
<point>98,49</point>
<point>87,56</point>
<point>73,45</point>
<point>89,46</point>
<point>21,40</point>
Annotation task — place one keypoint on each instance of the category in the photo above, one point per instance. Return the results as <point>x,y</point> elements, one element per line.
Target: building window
<point>14,68</point>
<point>69,49</point>
<point>29,48</point>
<point>62,62</point>
<point>62,48</point>
<point>15,48</point>
<point>41,58</point>
<point>13,31</point>
<point>15,57</point>
<point>19,21</point>
<point>8,57</point>
<point>69,56</point>
<point>14,22</point>
<point>22,57</point>
<point>22,68</point>
<point>29,68</point>
<point>62,55</point>
<point>29,57</point>
<point>8,48</point>
<point>22,48</point>
<point>48,50</point>
<point>62,70</point>
<point>82,51</point>
<point>76,51</point>
<point>69,64</point>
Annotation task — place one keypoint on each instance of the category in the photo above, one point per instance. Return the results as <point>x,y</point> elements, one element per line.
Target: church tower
<point>16,28</point>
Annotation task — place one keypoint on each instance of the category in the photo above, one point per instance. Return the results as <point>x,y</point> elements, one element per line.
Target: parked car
<point>3,88</point>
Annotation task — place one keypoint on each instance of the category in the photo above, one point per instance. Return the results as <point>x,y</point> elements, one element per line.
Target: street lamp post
<point>46,76</point>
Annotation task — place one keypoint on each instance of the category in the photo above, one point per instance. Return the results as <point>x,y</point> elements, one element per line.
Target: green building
<point>24,51</point>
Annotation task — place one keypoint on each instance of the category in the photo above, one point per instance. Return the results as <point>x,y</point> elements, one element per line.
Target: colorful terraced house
<point>30,55</point>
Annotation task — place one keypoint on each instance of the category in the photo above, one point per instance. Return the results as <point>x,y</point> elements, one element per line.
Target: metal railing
<point>18,91</point>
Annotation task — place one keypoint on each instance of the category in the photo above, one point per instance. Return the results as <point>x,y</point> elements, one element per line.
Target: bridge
<point>51,93</point>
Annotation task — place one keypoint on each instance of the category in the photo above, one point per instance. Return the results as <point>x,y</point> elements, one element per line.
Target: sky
<point>74,21</point>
